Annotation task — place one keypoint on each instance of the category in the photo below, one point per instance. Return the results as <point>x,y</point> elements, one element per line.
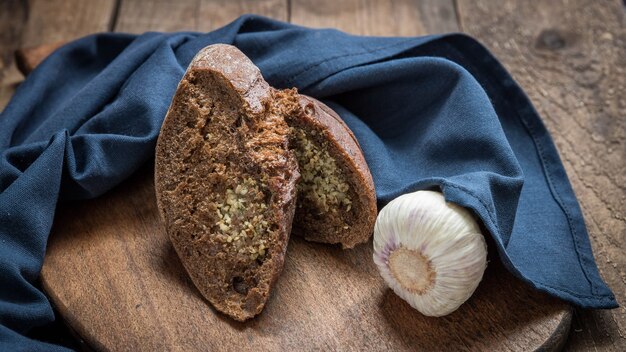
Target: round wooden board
<point>115,278</point>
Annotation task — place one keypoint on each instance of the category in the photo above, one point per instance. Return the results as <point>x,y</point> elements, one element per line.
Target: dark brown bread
<point>336,198</point>
<point>226,180</point>
<point>226,175</point>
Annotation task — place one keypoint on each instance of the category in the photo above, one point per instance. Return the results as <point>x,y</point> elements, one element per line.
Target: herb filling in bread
<point>323,188</point>
<point>325,210</point>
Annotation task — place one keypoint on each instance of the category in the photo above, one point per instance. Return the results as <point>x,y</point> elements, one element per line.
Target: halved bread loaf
<point>226,174</point>
<point>336,198</point>
<point>226,180</point>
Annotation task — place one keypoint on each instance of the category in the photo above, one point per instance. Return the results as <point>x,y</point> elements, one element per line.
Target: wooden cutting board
<point>115,278</point>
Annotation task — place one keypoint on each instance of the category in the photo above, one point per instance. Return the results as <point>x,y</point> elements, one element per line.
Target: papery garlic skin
<point>431,253</point>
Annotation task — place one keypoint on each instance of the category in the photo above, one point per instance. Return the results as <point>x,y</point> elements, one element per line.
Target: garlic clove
<point>430,252</point>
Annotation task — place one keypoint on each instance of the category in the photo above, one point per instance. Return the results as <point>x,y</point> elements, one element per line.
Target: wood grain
<point>114,275</point>
<point>373,17</point>
<point>26,59</point>
<point>35,22</point>
<point>50,21</point>
<point>13,16</point>
<point>138,16</point>
<point>570,58</point>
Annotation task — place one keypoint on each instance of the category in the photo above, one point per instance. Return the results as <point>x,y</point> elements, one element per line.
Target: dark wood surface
<point>568,56</point>
<point>116,279</point>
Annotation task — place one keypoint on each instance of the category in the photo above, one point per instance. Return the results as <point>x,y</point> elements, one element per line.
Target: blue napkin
<point>436,111</point>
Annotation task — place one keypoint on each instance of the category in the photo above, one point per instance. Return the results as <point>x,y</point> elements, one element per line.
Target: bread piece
<point>226,180</point>
<point>336,198</point>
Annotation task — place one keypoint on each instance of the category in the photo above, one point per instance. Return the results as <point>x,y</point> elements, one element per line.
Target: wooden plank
<point>373,17</point>
<point>51,21</point>
<point>30,23</point>
<point>26,59</point>
<point>13,15</point>
<point>570,57</point>
<point>138,16</point>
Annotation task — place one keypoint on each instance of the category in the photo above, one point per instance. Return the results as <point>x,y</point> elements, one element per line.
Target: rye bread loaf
<point>226,173</point>
<point>336,198</point>
<point>226,181</point>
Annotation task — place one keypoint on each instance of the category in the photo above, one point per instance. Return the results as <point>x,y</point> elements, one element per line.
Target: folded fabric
<point>436,111</point>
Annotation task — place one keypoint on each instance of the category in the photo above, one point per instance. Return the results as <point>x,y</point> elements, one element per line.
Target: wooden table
<point>569,56</point>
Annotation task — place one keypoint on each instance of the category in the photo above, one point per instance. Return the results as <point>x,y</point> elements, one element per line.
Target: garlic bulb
<point>431,253</point>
